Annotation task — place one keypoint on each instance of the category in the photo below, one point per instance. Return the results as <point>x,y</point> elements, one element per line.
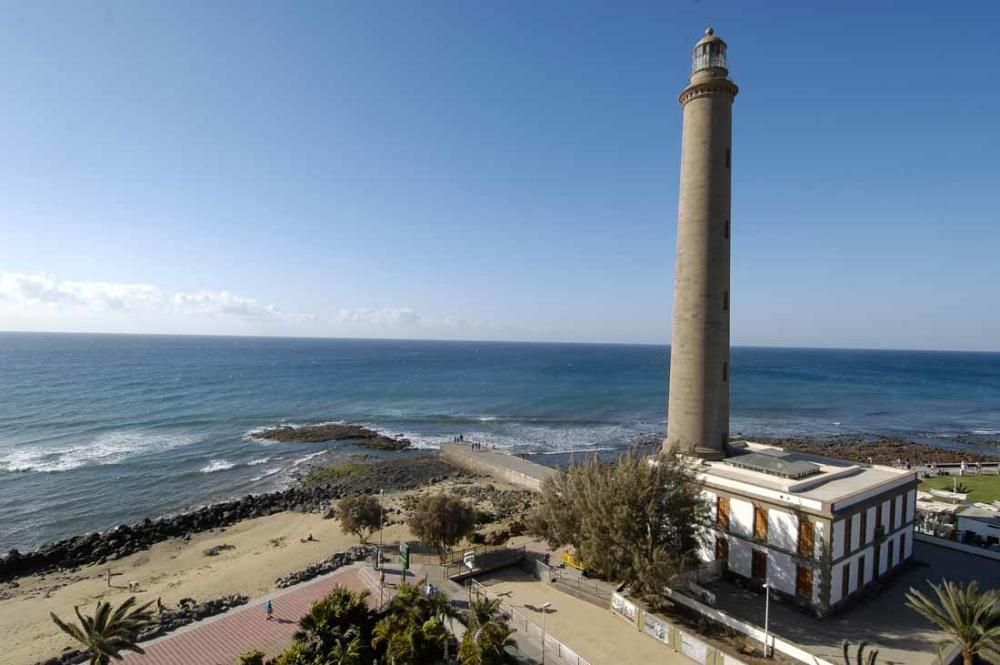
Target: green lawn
<point>982,488</point>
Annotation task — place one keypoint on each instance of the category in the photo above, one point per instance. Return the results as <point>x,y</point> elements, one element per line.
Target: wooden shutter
<point>804,582</point>
<point>760,523</point>
<point>722,515</point>
<point>806,538</point>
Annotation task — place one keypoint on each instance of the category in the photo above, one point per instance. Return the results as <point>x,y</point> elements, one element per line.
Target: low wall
<point>774,642</point>
<point>961,547</point>
<point>502,466</point>
<point>681,641</point>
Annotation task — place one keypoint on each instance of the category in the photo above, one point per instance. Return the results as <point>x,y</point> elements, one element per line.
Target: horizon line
<point>479,341</point>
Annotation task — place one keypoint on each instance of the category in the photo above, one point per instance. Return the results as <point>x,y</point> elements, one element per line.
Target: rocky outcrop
<point>325,432</point>
<point>187,611</point>
<point>881,450</point>
<point>126,539</point>
<point>338,560</point>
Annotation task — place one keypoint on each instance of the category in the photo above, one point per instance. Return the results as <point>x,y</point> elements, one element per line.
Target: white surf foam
<point>256,462</point>
<point>307,458</point>
<point>217,465</point>
<point>986,432</point>
<point>266,473</point>
<point>108,448</point>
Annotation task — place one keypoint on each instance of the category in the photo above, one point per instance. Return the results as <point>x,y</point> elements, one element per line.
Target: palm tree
<point>442,612</point>
<point>397,634</point>
<point>333,618</point>
<point>861,659</point>
<point>347,651</point>
<point>970,618</point>
<point>486,635</point>
<point>106,634</point>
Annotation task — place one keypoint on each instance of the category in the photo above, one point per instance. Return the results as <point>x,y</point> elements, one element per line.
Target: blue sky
<point>493,170</point>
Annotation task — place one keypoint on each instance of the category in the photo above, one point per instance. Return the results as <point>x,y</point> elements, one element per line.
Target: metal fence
<point>532,636</point>
<point>484,561</point>
<point>576,581</point>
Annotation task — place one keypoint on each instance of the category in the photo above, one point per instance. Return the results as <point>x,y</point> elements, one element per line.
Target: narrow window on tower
<point>725,301</point>
<point>725,371</point>
<point>726,235</point>
<point>728,158</point>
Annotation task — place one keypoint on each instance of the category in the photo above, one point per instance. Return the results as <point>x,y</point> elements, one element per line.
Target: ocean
<point>96,430</point>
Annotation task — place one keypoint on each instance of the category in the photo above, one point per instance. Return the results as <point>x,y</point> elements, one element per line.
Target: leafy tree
<point>633,520</point>
<point>106,634</point>
<point>486,635</point>
<point>360,515</point>
<point>970,618</point>
<point>441,521</point>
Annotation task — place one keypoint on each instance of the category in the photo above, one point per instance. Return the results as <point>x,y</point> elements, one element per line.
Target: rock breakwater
<point>338,560</point>
<point>100,547</point>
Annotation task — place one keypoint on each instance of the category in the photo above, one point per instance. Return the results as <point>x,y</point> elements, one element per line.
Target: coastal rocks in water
<point>413,471</point>
<point>881,450</point>
<point>338,560</point>
<point>324,432</point>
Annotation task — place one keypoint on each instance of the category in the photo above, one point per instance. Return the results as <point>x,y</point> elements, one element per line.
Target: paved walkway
<point>597,635</point>
<point>221,639</point>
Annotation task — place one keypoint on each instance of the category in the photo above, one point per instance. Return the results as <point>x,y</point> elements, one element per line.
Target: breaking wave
<point>216,465</point>
<point>108,448</point>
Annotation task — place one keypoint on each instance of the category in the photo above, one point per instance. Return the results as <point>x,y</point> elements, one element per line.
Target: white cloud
<point>381,316</point>
<point>37,289</point>
<point>40,289</point>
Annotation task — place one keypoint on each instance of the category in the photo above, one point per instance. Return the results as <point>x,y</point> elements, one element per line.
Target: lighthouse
<point>698,405</point>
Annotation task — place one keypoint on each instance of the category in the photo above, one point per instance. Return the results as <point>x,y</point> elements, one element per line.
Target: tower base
<point>711,453</point>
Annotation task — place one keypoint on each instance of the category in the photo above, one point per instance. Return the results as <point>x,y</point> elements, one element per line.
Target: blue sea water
<point>96,430</point>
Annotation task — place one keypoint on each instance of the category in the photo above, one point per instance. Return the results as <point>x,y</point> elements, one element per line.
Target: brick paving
<point>220,640</point>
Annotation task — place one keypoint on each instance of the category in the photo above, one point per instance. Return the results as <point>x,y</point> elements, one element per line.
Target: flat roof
<point>832,486</point>
<point>980,514</point>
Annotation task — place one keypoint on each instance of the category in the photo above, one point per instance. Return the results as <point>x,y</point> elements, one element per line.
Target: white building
<point>979,521</point>
<point>816,529</point>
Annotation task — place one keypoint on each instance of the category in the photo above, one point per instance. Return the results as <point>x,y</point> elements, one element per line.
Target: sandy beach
<point>264,549</point>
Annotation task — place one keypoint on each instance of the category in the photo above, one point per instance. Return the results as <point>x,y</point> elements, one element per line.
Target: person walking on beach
<point>270,610</point>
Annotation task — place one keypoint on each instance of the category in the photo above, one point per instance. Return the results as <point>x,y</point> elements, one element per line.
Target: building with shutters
<point>817,530</point>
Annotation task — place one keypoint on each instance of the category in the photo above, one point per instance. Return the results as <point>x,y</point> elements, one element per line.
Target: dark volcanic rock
<point>338,560</point>
<point>218,549</point>
<point>408,472</point>
<point>332,432</point>
<point>882,450</point>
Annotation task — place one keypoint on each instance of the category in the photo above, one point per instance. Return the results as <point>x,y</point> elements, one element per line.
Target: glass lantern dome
<point>709,53</point>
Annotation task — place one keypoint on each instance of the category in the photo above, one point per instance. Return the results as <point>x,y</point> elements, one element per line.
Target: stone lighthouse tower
<point>698,410</point>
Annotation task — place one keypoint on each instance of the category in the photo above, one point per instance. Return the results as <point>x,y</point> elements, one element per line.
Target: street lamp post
<point>381,561</point>
<point>545,610</point>
<point>381,521</point>
<point>767,612</point>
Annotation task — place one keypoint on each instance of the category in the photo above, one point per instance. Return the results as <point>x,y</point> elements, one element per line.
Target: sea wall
<point>501,466</point>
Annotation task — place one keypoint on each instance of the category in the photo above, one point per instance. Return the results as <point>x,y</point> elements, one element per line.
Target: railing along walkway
<point>533,636</point>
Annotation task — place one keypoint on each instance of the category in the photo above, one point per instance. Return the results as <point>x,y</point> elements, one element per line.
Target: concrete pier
<point>502,466</point>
